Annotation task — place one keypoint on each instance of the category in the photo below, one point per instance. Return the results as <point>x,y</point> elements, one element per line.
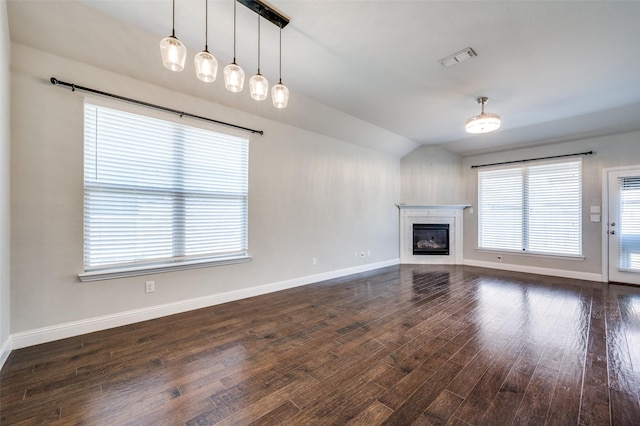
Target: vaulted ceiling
<point>554,70</point>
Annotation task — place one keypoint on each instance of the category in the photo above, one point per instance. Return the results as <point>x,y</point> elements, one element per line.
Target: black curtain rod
<point>533,159</point>
<point>75,87</point>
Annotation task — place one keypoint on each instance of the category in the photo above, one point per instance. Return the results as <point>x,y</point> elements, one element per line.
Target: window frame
<point>525,216</point>
<point>173,263</point>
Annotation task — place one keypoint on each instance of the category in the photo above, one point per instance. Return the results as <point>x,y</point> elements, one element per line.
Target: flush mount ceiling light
<point>172,50</point>
<point>485,122</point>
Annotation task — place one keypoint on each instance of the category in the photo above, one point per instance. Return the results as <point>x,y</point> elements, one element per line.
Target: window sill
<point>528,254</point>
<point>108,274</point>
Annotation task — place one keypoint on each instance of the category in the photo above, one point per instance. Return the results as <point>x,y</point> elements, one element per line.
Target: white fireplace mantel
<point>434,206</point>
<point>450,214</point>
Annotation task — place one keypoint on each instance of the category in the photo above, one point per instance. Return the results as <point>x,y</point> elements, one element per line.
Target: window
<point>629,227</point>
<point>532,208</point>
<point>160,195</point>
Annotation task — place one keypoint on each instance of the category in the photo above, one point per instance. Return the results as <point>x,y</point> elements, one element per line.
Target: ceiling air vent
<point>457,57</point>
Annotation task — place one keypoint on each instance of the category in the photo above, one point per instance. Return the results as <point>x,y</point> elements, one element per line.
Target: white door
<point>623,225</point>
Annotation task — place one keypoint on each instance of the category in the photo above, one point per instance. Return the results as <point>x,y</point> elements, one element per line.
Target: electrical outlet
<point>314,261</point>
<point>150,286</point>
<point>369,253</point>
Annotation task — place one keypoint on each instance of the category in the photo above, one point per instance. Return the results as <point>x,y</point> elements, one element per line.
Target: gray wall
<point>5,167</point>
<point>432,175</point>
<point>309,195</point>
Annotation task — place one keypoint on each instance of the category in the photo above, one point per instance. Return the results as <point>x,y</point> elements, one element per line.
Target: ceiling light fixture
<point>258,85</point>
<point>233,74</point>
<point>280,92</point>
<point>485,122</point>
<point>172,50</point>
<point>206,63</point>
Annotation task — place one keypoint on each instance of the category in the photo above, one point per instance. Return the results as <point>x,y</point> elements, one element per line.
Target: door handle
<point>612,232</point>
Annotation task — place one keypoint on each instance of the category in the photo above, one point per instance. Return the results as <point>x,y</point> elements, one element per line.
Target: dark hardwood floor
<point>404,345</point>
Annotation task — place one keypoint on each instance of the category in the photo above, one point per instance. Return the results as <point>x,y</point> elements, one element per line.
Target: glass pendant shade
<point>206,66</point>
<point>280,95</point>
<point>233,74</point>
<point>259,87</point>
<point>483,123</point>
<point>173,53</point>
<point>233,77</point>
<point>279,92</point>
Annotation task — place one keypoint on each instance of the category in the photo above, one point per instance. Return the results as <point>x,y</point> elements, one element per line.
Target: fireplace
<point>418,215</point>
<point>431,239</point>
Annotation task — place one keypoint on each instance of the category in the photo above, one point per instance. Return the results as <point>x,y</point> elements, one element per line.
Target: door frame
<point>604,210</point>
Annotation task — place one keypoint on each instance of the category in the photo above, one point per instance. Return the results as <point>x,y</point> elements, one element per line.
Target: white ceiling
<point>554,70</point>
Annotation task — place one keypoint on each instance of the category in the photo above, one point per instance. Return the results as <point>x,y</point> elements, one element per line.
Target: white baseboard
<point>587,276</point>
<point>5,350</point>
<point>89,325</point>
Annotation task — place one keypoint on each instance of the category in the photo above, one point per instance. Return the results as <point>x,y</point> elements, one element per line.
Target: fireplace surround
<point>447,217</point>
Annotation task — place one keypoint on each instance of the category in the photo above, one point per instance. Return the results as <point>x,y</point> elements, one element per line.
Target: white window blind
<point>159,192</point>
<point>533,208</point>
<point>500,209</point>
<point>629,226</point>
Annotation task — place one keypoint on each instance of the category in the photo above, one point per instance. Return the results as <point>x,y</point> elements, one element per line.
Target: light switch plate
<point>595,218</point>
<point>595,209</point>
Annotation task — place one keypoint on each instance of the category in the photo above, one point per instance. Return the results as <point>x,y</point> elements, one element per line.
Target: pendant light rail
<point>533,159</point>
<point>75,87</point>
<point>267,11</point>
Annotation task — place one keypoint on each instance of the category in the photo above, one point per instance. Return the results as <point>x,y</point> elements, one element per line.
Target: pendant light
<point>258,85</point>
<point>206,63</point>
<point>485,122</point>
<point>172,50</point>
<point>279,92</point>
<point>233,74</point>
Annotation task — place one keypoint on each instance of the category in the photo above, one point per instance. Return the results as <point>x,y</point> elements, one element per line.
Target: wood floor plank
<point>503,407</point>
<point>479,398</point>
<point>595,401</point>
<point>375,414</point>
<point>273,405</point>
<point>468,377</point>
<point>278,415</point>
<point>328,385</point>
<point>624,377</point>
<point>440,410</point>
<point>414,406</point>
<point>333,408</point>
<point>402,345</point>
<point>430,362</point>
